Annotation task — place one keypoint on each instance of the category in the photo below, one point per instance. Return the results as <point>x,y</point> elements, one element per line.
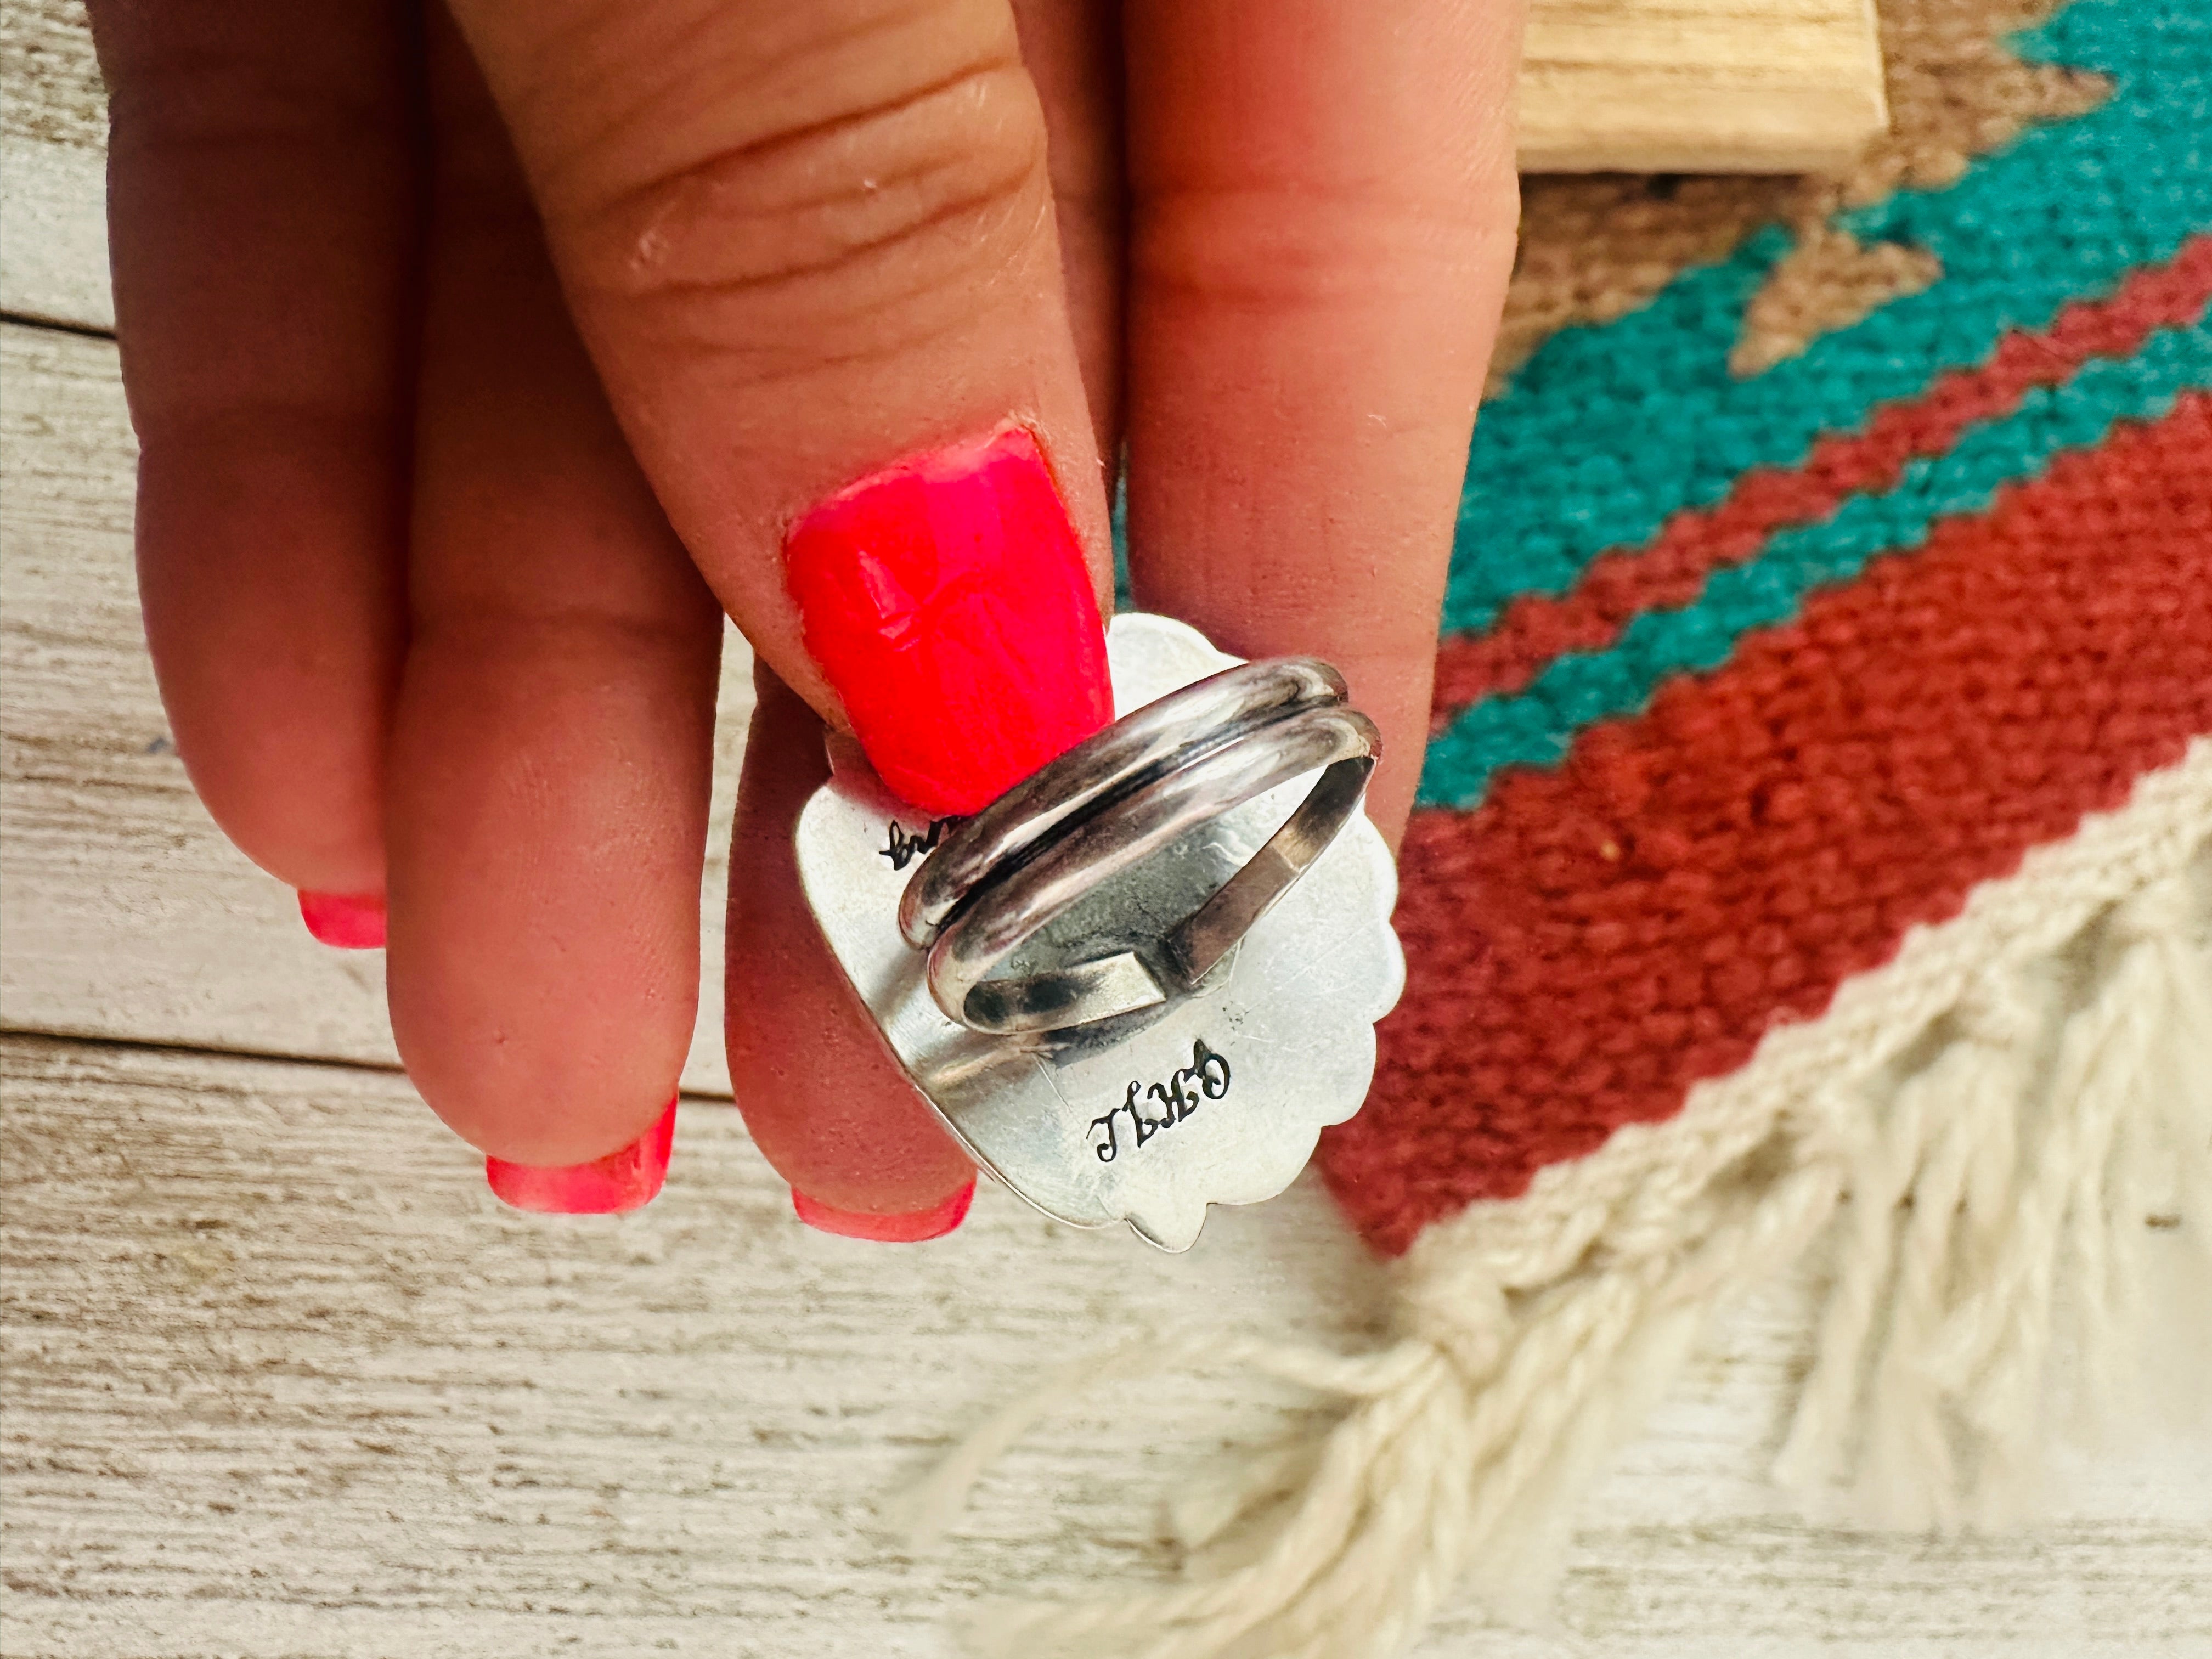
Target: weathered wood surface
<point>1716,86</point>
<point>53,166</point>
<point>1698,86</point>
<point>281,1378</point>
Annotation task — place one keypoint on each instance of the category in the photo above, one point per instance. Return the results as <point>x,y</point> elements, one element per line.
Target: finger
<point>551,754</point>
<point>812,248</point>
<point>262,201</point>
<point>1322,211</point>
<point>1073,49</point>
<point>824,1099</point>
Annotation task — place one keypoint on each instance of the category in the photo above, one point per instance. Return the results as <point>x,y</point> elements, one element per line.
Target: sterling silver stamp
<point>1144,980</point>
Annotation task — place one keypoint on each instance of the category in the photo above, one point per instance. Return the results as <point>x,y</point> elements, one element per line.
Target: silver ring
<point>1127,754</point>
<point>1110,805</point>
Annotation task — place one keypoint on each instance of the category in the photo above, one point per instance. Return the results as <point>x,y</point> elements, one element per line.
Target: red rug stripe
<point>1537,629</point>
<point>1593,941</point>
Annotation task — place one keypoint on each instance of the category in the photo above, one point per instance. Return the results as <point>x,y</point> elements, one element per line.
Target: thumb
<point>811,249</point>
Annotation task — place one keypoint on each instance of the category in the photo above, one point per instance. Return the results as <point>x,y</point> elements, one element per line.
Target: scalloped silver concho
<point>1291,1011</point>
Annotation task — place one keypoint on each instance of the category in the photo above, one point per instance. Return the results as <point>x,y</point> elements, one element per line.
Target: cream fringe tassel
<point>1980,1131</point>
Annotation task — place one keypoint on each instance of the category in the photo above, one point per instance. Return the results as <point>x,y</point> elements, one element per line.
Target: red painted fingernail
<point>933,1223</point>
<point>626,1180</point>
<point>948,602</point>
<point>351,921</point>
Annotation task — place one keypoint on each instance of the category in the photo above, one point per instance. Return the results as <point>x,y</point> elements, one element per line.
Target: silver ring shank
<point>1123,758</point>
<point>1214,768</point>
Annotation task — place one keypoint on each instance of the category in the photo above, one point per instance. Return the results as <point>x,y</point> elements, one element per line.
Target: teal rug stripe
<point>1611,429</point>
<point>1535,726</point>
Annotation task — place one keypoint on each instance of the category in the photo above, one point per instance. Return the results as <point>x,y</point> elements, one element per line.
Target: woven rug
<point>1815,847</point>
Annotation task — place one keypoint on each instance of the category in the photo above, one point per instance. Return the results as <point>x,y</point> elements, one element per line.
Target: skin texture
<point>475,368</point>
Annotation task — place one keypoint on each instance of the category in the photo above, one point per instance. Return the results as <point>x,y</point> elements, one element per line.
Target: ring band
<point>1102,770</point>
<point>1010,909</point>
<point>1110,805</point>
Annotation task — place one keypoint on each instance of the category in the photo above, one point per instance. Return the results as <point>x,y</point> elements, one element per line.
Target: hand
<point>477,371</point>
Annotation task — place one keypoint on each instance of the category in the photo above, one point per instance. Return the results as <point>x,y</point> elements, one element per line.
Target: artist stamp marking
<point>903,846</point>
<point>1207,1077</point>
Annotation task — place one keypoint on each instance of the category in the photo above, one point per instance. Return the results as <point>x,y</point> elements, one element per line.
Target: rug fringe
<point>2012,1190</point>
<point>1979,1134</point>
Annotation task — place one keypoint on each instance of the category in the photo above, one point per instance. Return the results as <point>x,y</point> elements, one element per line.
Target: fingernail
<point>933,1223</point>
<point>626,1180</point>
<point>947,600</point>
<point>351,921</point>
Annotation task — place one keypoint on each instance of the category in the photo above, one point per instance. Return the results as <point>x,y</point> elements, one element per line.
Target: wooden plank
<point>1698,86</point>
<point>53,234</point>
<point>1638,86</point>
<point>126,912</point>
<point>278,1378</point>
<point>54,167</point>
